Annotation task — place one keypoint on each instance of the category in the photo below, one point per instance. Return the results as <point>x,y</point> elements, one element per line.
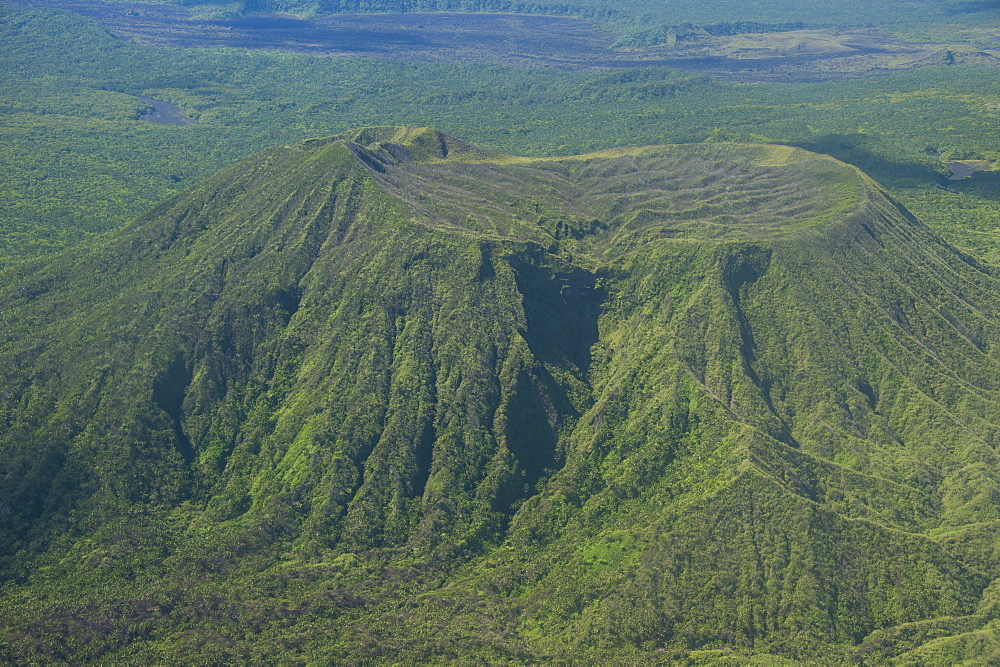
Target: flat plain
<point>786,55</point>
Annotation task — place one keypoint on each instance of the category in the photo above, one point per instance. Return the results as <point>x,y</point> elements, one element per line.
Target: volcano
<point>387,396</point>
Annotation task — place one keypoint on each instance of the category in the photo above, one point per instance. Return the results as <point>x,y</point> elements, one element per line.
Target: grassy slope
<point>65,95</point>
<point>394,396</point>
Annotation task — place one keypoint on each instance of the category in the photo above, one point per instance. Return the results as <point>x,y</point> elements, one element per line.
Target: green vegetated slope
<point>390,396</point>
<point>69,87</point>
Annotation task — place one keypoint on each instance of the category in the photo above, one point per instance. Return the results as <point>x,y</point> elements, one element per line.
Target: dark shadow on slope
<point>561,310</point>
<point>288,301</point>
<point>531,436</point>
<point>424,457</point>
<point>168,394</point>
<point>865,388</point>
<point>855,149</point>
<point>486,270</point>
<point>741,269</point>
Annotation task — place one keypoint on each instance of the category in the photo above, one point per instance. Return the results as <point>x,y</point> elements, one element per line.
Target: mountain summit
<point>390,396</point>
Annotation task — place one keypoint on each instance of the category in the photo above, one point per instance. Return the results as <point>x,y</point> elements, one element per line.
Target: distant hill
<point>388,396</point>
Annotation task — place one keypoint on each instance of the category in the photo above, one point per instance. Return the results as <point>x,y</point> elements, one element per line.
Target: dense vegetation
<point>389,395</point>
<point>77,160</point>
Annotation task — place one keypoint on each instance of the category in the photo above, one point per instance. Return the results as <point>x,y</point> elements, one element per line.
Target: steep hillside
<point>390,396</point>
